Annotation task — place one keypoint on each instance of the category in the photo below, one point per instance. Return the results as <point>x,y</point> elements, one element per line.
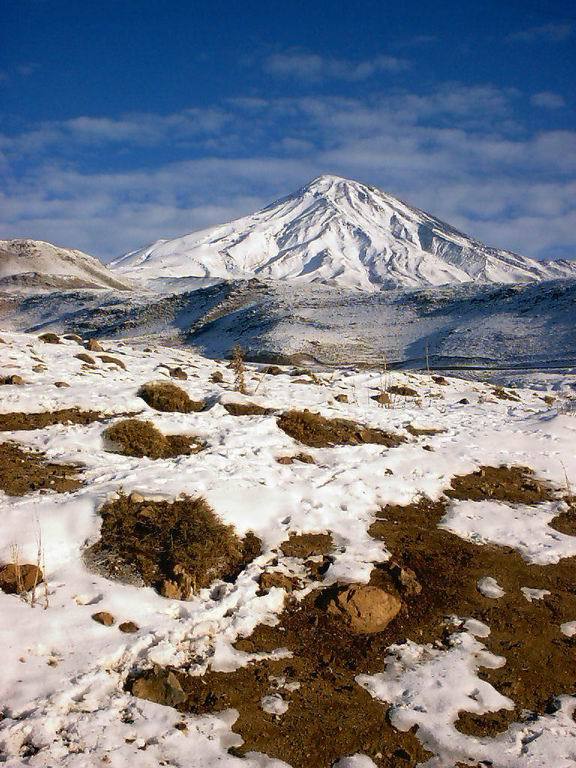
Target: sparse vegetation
<point>20,420</point>
<point>133,437</point>
<point>239,369</point>
<point>177,547</point>
<point>319,432</point>
<point>216,377</point>
<point>49,338</point>
<point>23,471</point>
<point>167,397</point>
<point>246,409</point>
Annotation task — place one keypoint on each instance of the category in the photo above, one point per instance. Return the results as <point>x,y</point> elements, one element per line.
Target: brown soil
<point>133,437</point>
<point>181,542</point>
<point>318,432</point>
<point>515,485</point>
<point>167,397</point>
<point>420,431</point>
<point>539,659</point>
<point>307,545</point>
<point>565,522</point>
<point>16,421</point>
<point>112,361</point>
<point>23,471</point>
<point>247,409</point>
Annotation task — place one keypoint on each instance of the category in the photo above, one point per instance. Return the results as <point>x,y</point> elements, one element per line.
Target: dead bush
<point>133,437</point>
<point>49,338</point>
<point>111,360</point>
<point>246,409</point>
<point>167,397</point>
<point>177,547</point>
<point>319,432</point>
<point>85,358</point>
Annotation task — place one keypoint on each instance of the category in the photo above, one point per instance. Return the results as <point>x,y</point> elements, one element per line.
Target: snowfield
<point>63,675</point>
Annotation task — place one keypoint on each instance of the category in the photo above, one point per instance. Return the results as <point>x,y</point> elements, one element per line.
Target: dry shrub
<point>49,338</point>
<point>318,432</point>
<point>167,397</point>
<point>112,361</point>
<point>239,369</point>
<point>403,390</point>
<point>182,544</point>
<point>246,409</point>
<point>20,420</point>
<point>85,358</point>
<point>141,438</point>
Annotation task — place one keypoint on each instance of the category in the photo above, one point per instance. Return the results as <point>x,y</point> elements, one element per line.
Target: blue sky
<point>126,121</point>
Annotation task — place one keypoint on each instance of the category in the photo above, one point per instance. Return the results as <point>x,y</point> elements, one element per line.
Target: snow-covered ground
<point>62,675</point>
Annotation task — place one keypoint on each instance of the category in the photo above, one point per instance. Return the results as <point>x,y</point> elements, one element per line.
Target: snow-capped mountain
<point>338,231</point>
<point>34,263</point>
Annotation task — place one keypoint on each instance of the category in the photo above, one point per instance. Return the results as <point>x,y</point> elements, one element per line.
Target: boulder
<point>364,608</point>
<point>19,578</point>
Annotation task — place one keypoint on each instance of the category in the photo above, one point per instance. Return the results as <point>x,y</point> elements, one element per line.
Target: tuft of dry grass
<point>133,437</point>
<point>167,397</point>
<point>111,360</point>
<point>177,547</point>
<point>247,409</point>
<point>319,432</point>
<point>49,338</point>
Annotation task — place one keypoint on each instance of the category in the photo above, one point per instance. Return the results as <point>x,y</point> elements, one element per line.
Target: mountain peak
<point>341,232</point>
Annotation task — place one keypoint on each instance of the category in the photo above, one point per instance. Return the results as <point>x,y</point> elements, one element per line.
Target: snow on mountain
<point>338,231</point>
<point>34,263</point>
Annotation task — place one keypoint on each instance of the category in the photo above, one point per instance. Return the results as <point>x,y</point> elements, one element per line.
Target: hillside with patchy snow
<point>341,232</point>
<point>37,265</point>
<point>384,574</point>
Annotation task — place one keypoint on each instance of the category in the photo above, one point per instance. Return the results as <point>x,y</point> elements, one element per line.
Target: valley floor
<point>109,667</point>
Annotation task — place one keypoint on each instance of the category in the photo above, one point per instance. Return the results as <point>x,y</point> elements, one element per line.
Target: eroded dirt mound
<point>247,409</point>
<point>319,432</point>
<point>23,471</point>
<point>19,420</point>
<point>167,397</point>
<point>132,437</point>
<point>177,547</point>
<point>515,485</point>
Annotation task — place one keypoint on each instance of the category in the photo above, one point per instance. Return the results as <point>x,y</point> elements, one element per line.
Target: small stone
<point>61,384</point>
<point>464,401</point>
<point>103,617</point>
<point>365,608</point>
<point>136,498</point>
<point>341,398</point>
<point>15,579</point>
<point>128,627</point>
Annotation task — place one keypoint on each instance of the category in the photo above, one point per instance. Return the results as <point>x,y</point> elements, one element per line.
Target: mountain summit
<point>341,232</point>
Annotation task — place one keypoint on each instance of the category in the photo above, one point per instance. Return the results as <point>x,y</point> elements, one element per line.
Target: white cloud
<point>315,68</point>
<point>555,32</point>
<point>547,100</point>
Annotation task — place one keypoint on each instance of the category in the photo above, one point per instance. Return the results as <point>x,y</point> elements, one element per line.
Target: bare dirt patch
<point>19,420</point>
<point>307,545</point>
<point>247,409</point>
<point>167,397</point>
<point>319,432</point>
<point>527,634</point>
<point>514,485</point>
<point>176,547</point>
<point>132,437</point>
<point>23,471</point>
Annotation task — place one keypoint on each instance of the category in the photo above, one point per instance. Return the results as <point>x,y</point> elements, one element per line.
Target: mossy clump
<point>167,397</point>
<point>319,432</point>
<point>133,437</point>
<point>177,547</point>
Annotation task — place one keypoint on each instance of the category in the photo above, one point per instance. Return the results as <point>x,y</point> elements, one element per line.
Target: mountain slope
<point>34,264</point>
<point>338,231</point>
